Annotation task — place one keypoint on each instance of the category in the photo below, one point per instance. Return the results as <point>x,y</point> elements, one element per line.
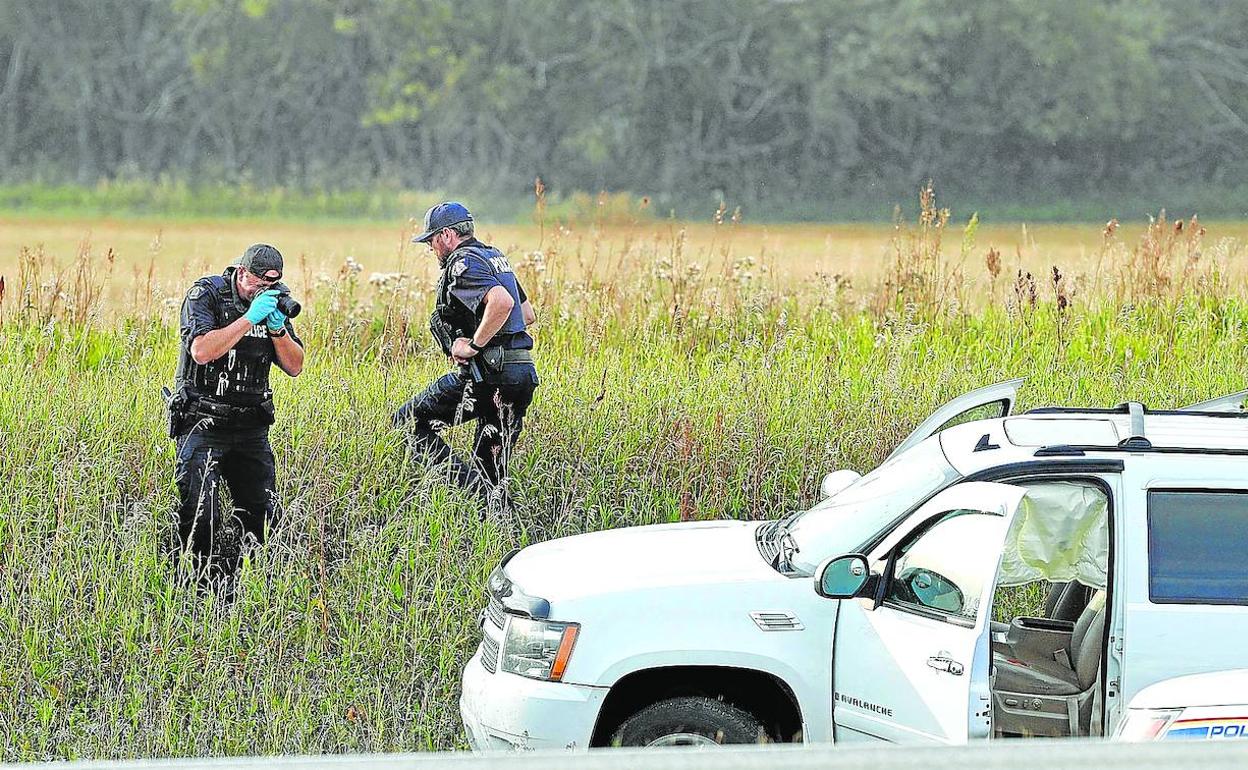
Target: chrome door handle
<point>948,665</point>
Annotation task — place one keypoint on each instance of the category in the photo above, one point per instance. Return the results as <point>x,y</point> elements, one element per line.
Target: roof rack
<point>1080,450</point>
<point>1122,409</point>
<point>1075,410</point>
<point>1137,439</point>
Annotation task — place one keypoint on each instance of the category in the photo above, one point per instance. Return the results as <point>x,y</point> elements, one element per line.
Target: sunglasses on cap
<point>267,276</point>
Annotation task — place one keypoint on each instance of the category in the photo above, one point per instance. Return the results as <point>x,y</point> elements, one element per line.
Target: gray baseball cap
<point>260,259</point>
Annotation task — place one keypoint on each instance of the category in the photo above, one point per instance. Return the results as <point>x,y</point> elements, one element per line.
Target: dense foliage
<point>792,106</point>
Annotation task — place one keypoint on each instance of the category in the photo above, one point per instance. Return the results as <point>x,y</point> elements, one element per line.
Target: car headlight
<point>1145,724</point>
<point>538,649</point>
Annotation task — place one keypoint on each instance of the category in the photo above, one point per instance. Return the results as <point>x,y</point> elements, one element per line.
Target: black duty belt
<point>491,360</point>
<point>517,356</point>
<point>208,407</point>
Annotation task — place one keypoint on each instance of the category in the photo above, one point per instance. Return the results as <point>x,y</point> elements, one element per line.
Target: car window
<point>1196,546</point>
<point>943,570</point>
<point>989,411</point>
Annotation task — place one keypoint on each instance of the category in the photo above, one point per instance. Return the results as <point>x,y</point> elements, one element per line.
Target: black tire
<point>689,721</point>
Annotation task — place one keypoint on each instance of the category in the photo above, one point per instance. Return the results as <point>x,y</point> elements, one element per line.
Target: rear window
<point>1197,543</point>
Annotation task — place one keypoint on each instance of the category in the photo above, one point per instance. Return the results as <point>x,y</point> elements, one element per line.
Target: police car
<point>1201,707</point>
<point>1000,575</point>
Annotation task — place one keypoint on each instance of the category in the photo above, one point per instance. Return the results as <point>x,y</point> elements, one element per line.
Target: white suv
<point>871,616</point>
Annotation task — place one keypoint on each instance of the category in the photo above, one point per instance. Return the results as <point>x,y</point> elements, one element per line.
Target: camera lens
<point>289,306</point>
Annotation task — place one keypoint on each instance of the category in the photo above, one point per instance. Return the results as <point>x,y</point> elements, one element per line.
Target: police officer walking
<point>232,331</point>
<point>479,321</point>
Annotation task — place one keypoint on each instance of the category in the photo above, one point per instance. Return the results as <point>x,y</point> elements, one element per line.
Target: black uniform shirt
<point>241,376</point>
<point>476,269</point>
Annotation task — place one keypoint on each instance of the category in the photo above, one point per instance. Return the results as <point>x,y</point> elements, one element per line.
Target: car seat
<point>1045,673</point>
<point>1066,601</point>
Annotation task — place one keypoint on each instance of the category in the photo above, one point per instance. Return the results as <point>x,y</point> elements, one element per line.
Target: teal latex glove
<point>276,321</point>
<point>264,304</point>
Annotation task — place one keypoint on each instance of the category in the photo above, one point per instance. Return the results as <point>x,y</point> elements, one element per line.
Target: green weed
<point>668,394</point>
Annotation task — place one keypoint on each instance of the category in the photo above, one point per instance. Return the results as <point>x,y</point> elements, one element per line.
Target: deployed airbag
<point>1061,533</point>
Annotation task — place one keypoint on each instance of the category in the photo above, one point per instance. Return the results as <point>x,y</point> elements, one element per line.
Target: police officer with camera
<point>479,321</point>
<point>234,326</point>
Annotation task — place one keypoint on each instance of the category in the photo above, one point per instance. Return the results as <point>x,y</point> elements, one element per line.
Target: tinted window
<point>944,570</point>
<point>1197,546</point>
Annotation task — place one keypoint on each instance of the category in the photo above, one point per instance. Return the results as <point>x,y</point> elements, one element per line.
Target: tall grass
<point>670,392</point>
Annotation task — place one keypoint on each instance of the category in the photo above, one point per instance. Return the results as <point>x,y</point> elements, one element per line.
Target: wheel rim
<point>683,739</point>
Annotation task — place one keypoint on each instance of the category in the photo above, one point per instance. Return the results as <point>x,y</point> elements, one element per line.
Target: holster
<point>186,409</point>
<point>490,361</point>
<point>492,358</point>
<point>442,332</point>
<point>175,410</point>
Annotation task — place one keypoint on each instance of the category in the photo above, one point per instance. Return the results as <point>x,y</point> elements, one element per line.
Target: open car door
<point>981,404</point>
<point>912,663</point>
<point>1231,402</point>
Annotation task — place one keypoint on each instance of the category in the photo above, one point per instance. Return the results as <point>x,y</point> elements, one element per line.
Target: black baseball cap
<point>260,259</point>
<point>440,216</point>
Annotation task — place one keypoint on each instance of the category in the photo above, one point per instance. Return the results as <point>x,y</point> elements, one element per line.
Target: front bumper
<point>507,711</point>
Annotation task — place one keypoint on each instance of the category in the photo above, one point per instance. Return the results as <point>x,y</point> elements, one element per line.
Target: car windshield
<point>843,522</point>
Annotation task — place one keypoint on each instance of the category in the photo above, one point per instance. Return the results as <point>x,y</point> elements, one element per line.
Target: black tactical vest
<point>241,376</point>
<point>458,320</point>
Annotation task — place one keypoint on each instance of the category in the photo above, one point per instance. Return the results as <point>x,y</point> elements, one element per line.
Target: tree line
<point>754,100</point>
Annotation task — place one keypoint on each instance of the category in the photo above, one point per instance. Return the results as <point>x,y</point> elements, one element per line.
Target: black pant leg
<point>197,473</point>
<point>452,399</point>
<point>486,441</point>
<point>251,474</point>
<point>501,420</point>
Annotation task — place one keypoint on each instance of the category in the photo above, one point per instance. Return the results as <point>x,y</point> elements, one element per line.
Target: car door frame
<point>1227,404</point>
<point>1109,471</point>
<point>1006,392</point>
<point>977,682</point>
<point>1148,618</point>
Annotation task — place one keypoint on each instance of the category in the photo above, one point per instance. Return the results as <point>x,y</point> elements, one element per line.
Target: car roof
<point>1064,433</point>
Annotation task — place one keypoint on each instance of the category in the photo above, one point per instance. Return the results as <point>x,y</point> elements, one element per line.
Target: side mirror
<point>932,589</point>
<point>844,577</point>
<point>836,481</point>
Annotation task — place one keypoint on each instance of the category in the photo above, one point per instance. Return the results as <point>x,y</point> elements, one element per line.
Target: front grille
<point>489,653</point>
<point>764,537</point>
<point>496,613</point>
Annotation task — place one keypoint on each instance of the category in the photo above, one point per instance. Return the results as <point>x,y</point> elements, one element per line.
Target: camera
<point>289,306</point>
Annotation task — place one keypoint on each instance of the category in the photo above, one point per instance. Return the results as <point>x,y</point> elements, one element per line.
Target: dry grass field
<point>148,259</point>
<point>689,371</point>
